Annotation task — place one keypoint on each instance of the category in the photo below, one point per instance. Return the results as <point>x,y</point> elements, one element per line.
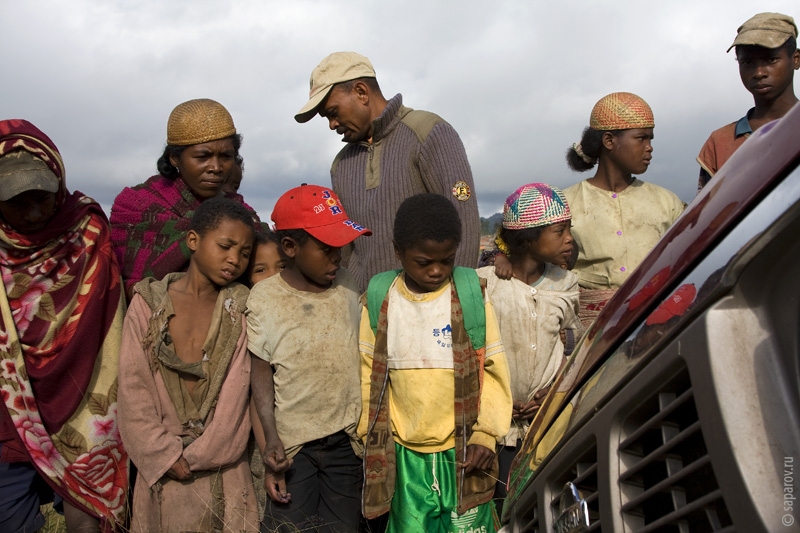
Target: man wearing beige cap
<point>766,50</point>
<point>392,152</point>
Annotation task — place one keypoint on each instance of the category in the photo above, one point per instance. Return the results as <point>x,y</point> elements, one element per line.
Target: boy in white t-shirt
<point>302,330</point>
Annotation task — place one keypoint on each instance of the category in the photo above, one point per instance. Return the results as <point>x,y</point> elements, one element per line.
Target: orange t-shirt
<point>720,146</point>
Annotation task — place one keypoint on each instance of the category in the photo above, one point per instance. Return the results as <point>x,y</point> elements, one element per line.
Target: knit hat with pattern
<point>535,205</point>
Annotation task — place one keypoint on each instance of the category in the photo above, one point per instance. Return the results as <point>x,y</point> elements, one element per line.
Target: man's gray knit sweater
<point>411,152</point>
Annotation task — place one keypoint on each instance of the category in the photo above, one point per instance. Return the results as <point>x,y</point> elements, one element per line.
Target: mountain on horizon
<point>489,225</point>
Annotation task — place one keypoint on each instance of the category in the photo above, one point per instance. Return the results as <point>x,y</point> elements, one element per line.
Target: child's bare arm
<point>263,389</point>
<point>258,429</point>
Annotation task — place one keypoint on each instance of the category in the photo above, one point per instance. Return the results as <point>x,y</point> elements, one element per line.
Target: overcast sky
<point>516,78</point>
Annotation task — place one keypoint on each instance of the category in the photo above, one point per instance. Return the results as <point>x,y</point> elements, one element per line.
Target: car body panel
<point>679,285</point>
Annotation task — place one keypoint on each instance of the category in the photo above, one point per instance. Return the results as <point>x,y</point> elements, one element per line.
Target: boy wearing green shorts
<point>434,381</point>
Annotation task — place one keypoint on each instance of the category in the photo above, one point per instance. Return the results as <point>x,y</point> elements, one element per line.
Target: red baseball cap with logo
<point>317,210</point>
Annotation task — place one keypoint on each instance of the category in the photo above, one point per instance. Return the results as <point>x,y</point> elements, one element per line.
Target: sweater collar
<point>388,120</point>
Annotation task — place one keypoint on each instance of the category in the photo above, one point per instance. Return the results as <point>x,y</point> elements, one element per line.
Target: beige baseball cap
<point>21,171</point>
<point>336,68</point>
<point>769,30</point>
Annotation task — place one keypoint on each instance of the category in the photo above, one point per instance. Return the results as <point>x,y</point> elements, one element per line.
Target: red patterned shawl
<point>60,329</point>
<point>148,227</point>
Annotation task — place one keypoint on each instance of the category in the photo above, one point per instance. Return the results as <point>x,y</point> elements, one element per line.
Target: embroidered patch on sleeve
<point>462,191</point>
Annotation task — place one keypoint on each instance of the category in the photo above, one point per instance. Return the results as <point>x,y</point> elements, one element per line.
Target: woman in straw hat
<point>149,221</point>
<point>61,310</point>
<point>617,218</point>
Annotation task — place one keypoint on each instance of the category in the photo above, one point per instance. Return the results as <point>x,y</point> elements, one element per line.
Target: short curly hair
<point>426,217</point>
<point>213,211</point>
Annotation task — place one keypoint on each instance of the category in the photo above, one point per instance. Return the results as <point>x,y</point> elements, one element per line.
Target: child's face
<point>767,72</point>
<point>314,260</point>
<point>427,264</point>
<point>266,262</point>
<point>568,263</point>
<point>222,253</point>
<point>632,150</point>
<point>554,245</point>
<point>30,211</point>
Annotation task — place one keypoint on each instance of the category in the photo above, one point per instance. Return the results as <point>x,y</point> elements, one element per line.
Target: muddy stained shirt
<point>421,385</point>
<point>530,319</point>
<point>311,340</point>
<point>615,231</point>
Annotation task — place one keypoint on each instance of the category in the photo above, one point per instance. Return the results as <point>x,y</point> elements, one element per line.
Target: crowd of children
<point>253,386</point>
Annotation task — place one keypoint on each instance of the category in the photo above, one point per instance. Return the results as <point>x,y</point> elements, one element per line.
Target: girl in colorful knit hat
<point>534,305</point>
<point>617,217</point>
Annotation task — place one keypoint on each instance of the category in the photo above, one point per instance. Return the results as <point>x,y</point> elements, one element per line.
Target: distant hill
<point>489,225</point>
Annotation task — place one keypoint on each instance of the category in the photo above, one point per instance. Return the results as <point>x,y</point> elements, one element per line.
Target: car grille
<point>583,474</point>
<point>666,480</point>
<point>530,518</point>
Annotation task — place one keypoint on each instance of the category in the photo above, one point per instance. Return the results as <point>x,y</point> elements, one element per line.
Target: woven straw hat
<point>621,111</point>
<point>198,121</point>
<point>534,205</point>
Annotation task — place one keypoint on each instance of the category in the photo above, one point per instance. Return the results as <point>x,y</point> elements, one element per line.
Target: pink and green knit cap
<point>535,205</point>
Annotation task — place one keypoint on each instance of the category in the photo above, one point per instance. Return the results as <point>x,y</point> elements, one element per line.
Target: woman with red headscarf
<point>61,310</point>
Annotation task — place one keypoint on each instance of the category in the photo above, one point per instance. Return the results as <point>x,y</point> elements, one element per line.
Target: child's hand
<point>526,411</point>
<point>276,487</point>
<point>275,459</point>
<point>502,267</point>
<point>180,470</point>
<point>478,458</point>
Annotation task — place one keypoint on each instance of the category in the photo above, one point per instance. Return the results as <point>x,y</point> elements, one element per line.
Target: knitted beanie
<point>621,111</point>
<point>198,121</point>
<point>535,205</point>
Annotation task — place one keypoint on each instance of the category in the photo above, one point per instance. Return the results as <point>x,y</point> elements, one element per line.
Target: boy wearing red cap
<point>767,54</point>
<point>303,335</point>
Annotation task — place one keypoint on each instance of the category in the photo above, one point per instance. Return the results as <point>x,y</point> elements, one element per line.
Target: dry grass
<point>54,522</point>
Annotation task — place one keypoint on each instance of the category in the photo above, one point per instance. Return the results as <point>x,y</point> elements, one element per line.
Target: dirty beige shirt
<point>311,340</point>
<point>530,319</point>
<point>615,231</point>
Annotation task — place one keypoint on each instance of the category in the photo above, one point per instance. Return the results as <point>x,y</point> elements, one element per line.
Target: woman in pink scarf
<point>149,221</point>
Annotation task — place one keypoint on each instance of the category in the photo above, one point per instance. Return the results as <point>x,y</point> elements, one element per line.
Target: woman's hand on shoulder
<point>502,267</point>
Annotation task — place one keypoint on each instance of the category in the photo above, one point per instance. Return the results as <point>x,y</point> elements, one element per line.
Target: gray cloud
<point>516,79</point>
